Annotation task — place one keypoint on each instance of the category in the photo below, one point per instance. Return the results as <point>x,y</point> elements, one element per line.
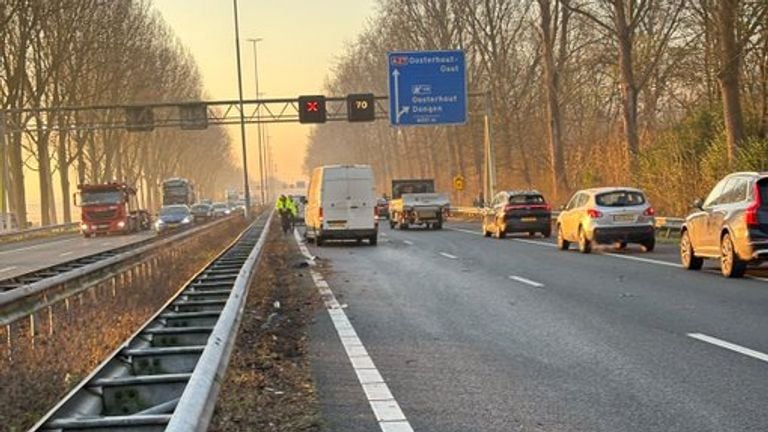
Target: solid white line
<point>535,242</point>
<point>37,246</point>
<point>644,260</point>
<point>384,406</point>
<point>65,253</point>
<point>449,256</point>
<point>526,281</point>
<point>730,346</point>
<point>408,242</point>
<point>465,231</point>
<point>7,269</point>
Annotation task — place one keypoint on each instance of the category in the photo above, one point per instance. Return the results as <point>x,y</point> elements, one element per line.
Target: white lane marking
<point>7,269</point>
<point>465,231</point>
<point>730,346</point>
<point>526,281</point>
<point>37,246</point>
<point>65,253</point>
<point>408,242</point>
<point>644,260</point>
<point>535,242</point>
<point>449,256</point>
<point>384,406</point>
<point>384,234</point>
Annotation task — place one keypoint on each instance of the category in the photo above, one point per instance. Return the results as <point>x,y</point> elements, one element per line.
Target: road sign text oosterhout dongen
<point>427,88</point>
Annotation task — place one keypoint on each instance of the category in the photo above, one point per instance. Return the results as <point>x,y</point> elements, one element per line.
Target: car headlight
<point>84,227</point>
<point>121,224</point>
<point>186,220</point>
<point>159,223</point>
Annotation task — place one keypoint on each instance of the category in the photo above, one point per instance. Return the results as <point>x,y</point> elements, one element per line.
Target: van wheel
<point>373,240</point>
<point>319,240</point>
<point>438,226</point>
<point>391,223</point>
<point>403,226</point>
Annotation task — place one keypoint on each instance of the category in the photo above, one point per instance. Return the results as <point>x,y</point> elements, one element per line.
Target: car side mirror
<point>698,204</point>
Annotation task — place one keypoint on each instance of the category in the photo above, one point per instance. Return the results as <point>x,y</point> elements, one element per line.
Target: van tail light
<point>649,212</point>
<point>594,214</point>
<point>320,213</point>
<point>750,214</point>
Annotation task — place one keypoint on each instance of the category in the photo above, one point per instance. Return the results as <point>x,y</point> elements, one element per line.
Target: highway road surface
<point>23,257</point>
<point>457,332</point>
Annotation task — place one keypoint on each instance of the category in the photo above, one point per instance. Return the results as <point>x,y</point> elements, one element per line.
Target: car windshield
<point>102,197</point>
<point>620,199</point>
<point>173,210</point>
<point>526,199</point>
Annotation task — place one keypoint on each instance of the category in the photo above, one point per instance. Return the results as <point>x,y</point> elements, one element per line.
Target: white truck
<point>415,202</point>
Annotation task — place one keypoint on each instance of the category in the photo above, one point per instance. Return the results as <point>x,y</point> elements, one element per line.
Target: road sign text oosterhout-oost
<point>427,87</point>
<point>361,107</point>
<point>312,109</point>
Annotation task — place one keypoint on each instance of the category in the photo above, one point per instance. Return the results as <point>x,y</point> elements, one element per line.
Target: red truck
<point>110,208</point>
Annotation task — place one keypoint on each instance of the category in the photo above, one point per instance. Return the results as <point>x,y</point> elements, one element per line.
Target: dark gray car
<point>730,225</point>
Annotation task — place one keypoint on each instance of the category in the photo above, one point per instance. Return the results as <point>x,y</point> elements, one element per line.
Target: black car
<point>518,212</point>
<point>731,225</point>
<point>202,212</point>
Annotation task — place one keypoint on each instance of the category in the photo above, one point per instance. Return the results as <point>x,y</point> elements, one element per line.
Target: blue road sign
<point>427,88</point>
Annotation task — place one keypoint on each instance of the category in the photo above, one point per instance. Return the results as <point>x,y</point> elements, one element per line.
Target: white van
<point>341,204</point>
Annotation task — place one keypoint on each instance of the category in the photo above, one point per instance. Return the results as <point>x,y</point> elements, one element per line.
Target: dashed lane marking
<point>449,256</point>
<point>408,242</point>
<point>526,281</point>
<point>730,346</point>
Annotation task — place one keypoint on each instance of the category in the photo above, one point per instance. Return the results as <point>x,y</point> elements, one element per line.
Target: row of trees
<point>97,52</point>
<point>664,94</point>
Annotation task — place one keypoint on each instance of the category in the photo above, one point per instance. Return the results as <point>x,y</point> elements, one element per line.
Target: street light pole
<point>4,222</point>
<point>262,175</point>
<point>247,189</point>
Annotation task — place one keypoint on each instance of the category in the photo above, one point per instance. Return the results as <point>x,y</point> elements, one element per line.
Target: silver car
<point>614,215</point>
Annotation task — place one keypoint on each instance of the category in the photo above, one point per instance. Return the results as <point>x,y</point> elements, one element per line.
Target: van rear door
<point>348,198</point>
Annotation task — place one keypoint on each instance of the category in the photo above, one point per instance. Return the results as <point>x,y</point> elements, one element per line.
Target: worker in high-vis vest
<point>287,210</point>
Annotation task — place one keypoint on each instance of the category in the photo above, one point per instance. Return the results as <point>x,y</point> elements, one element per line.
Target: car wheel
<point>319,240</point>
<point>621,245</point>
<point>547,233</point>
<point>687,255</point>
<point>585,245</point>
<point>403,226</point>
<point>730,264</point>
<point>650,244</point>
<point>562,243</point>
<point>392,224</point>
<point>486,232</point>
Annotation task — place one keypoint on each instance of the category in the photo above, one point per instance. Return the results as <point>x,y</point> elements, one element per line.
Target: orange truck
<point>110,208</point>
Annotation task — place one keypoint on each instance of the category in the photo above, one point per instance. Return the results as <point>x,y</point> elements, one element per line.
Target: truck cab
<point>110,208</point>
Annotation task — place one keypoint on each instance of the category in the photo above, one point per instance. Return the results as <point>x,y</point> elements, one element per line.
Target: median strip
<point>729,346</point>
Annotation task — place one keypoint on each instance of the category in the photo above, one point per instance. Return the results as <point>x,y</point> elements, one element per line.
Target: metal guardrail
<point>167,375</point>
<point>30,298</point>
<point>666,224</point>
<point>30,233</point>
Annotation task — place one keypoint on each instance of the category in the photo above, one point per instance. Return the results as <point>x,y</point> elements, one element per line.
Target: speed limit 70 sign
<point>458,183</point>
<point>360,107</point>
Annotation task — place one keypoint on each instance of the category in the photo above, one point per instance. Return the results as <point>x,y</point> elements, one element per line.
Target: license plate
<point>624,218</point>
<point>528,219</point>
<point>337,223</point>
<point>102,226</point>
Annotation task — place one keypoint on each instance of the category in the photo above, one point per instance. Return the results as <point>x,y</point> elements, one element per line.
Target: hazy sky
<point>301,39</point>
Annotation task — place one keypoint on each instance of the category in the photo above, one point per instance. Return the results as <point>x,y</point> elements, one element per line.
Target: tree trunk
<point>552,84</point>
<point>16,171</point>
<point>44,174</point>
<point>63,157</point>
<point>628,85</point>
<point>728,76</point>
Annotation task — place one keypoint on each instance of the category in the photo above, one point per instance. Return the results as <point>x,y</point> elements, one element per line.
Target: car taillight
<point>750,214</point>
<point>649,212</point>
<point>548,207</point>
<point>594,214</point>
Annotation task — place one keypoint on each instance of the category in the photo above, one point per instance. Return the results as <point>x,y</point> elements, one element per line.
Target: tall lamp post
<point>246,187</point>
<point>262,175</point>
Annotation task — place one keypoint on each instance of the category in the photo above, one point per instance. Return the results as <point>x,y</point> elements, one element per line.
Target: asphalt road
<point>23,257</point>
<point>477,334</point>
